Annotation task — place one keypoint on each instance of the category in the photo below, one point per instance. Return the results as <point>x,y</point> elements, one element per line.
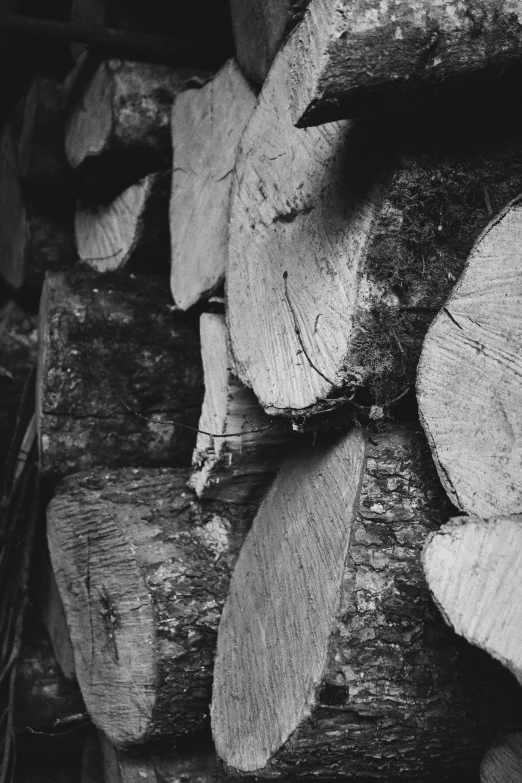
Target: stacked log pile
<point>280,350</point>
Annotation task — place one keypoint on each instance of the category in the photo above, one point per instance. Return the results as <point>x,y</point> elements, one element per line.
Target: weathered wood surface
<point>118,125</point>
<point>332,660</point>
<point>52,614</point>
<point>472,567</point>
<point>348,57</point>
<point>469,377</point>
<point>131,232</point>
<point>240,463</point>
<point>119,378</point>
<point>143,569</point>
<point>503,761</point>
<point>259,29</point>
<point>346,239</point>
<point>206,127</point>
<point>41,148</point>
<point>197,766</point>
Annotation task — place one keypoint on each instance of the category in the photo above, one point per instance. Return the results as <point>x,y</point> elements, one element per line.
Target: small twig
<point>488,202</point>
<point>5,373</point>
<point>195,429</point>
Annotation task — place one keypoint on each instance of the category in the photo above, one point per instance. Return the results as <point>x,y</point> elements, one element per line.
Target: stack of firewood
<point>274,443</point>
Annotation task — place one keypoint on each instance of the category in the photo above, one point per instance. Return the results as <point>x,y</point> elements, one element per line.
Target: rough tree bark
<point>331,658</point>
<point>132,232</point>
<point>472,567</point>
<point>196,766</point>
<point>206,128</point>
<point>346,239</point>
<point>238,467</point>
<point>347,57</point>
<point>143,569</point>
<point>469,377</point>
<point>259,29</point>
<point>503,761</point>
<point>119,379</point>
<point>118,125</point>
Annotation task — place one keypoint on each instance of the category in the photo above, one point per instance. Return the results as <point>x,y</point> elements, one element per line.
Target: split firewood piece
<point>468,384</point>
<point>472,567</point>
<point>325,291</point>
<point>503,761</point>
<point>53,618</point>
<point>259,29</point>
<point>143,569</point>
<point>131,232</point>
<point>206,127</point>
<point>119,378</point>
<point>199,766</point>
<point>348,56</point>
<point>331,659</point>
<point>41,152</point>
<point>118,125</point>
<point>34,236</point>
<point>240,463</point>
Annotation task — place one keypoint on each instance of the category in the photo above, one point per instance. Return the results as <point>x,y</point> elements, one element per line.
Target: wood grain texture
<point>239,467</point>
<point>131,232</point>
<point>503,761</point>
<point>117,374</point>
<point>468,382</point>
<point>143,570</point>
<point>198,766</point>
<point>332,659</point>
<point>118,125</point>
<point>472,567</point>
<point>206,128</point>
<point>259,29</point>
<point>346,57</point>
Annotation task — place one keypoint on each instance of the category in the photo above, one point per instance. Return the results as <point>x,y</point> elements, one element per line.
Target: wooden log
<point>92,760</point>
<point>206,128</point>
<point>119,379</point>
<point>193,766</point>
<point>41,152</point>
<point>347,58</point>
<point>53,618</point>
<point>471,567</point>
<point>118,125</point>
<point>331,658</point>
<point>132,232</point>
<point>503,761</point>
<point>326,293</point>
<point>240,463</point>
<point>34,236</point>
<point>468,383</point>
<point>259,29</point>
<point>143,570</point>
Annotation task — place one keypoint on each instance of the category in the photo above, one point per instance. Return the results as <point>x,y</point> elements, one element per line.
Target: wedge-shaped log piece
<point>53,617</point>
<point>197,766</point>
<point>132,232</point>
<point>346,56</point>
<point>41,150</point>
<point>346,239</point>
<point>259,29</point>
<point>118,125</point>
<point>472,567</point>
<point>206,127</point>
<point>34,236</point>
<point>119,379</point>
<point>469,378</point>
<point>332,660</point>
<point>143,569</point>
<point>503,761</point>
<point>239,448</point>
